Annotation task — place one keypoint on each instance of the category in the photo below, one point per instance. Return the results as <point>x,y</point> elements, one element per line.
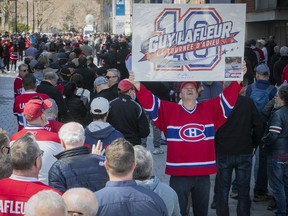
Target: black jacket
<point>88,77</point>
<point>128,117</point>
<point>242,131</point>
<point>76,110</point>
<point>78,168</point>
<point>54,93</point>
<point>276,137</point>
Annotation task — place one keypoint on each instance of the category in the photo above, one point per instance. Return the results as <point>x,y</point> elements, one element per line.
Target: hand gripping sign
<point>188,42</point>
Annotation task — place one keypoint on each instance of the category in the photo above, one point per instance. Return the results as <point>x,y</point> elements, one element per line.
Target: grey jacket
<point>168,195</point>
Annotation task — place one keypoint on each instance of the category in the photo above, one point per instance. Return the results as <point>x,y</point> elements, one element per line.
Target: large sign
<point>188,42</point>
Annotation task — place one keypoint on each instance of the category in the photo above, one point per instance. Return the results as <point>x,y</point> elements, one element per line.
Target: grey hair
<point>72,134</point>
<point>6,167</point>
<point>47,199</point>
<point>4,138</point>
<point>144,163</point>
<point>284,51</point>
<point>51,75</point>
<point>22,65</point>
<point>52,112</point>
<point>116,72</point>
<point>81,200</point>
<point>24,151</point>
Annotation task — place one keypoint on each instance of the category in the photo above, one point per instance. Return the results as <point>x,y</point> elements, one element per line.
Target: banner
<point>120,7</point>
<point>188,42</point>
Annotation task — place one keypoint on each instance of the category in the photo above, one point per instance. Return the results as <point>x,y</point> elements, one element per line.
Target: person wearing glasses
<point>5,168</point>
<point>26,160</point>
<point>113,77</point>
<point>35,114</point>
<point>29,85</point>
<point>18,86</point>
<point>80,201</point>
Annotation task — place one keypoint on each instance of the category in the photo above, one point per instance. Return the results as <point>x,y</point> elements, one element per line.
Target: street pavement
<point>8,122</point>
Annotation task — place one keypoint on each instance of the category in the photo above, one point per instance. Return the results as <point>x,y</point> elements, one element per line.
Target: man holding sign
<point>190,130</point>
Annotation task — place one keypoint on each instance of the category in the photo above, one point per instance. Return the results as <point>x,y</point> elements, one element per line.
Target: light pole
<point>33,14</point>
<point>27,15</point>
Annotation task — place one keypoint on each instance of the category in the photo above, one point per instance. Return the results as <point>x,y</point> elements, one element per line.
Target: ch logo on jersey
<point>192,132</point>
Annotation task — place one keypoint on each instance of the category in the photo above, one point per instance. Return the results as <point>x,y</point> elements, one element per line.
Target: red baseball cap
<point>124,85</point>
<point>184,83</point>
<point>35,107</point>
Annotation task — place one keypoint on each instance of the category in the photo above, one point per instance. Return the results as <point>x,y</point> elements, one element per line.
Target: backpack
<point>260,97</point>
<point>5,49</point>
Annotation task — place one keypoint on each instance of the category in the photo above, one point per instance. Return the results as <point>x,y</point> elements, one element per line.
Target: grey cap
<point>99,106</point>
<point>262,69</point>
<point>100,80</point>
<point>32,63</point>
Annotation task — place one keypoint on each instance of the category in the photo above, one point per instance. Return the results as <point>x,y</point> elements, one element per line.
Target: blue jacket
<point>78,168</point>
<point>128,198</point>
<point>103,131</point>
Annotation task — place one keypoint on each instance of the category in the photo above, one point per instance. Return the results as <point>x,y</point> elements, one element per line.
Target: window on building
<point>266,4</point>
<point>281,3</point>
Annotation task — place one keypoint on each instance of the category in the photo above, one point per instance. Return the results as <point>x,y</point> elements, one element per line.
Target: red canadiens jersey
<point>18,86</point>
<point>48,141</point>
<point>14,194</point>
<point>53,126</point>
<point>190,133</point>
<point>19,104</point>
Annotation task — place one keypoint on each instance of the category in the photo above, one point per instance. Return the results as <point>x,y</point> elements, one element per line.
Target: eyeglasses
<point>70,212</point>
<point>40,154</point>
<point>25,70</point>
<point>5,149</point>
<point>108,77</point>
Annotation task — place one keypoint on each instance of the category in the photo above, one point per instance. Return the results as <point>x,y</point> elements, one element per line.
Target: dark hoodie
<point>103,131</point>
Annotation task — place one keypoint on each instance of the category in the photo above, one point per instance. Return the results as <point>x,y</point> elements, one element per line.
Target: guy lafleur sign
<point>188,42</point>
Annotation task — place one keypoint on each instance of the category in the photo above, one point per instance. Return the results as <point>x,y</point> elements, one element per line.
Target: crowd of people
<point>83,127</point>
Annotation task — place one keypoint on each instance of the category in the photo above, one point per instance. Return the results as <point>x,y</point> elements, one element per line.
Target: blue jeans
<point>242,165</point>
<point>198,186</point>
<point>278,180</point>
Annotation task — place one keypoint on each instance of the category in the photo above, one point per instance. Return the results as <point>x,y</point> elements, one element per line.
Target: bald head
<point>81,200</point>
<point>45,203</point>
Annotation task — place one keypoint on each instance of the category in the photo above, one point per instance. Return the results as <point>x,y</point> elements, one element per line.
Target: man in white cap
<point>34,113</point>
<point>99,129</point>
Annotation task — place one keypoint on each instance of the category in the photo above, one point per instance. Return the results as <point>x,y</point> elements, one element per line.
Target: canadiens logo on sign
<point>192,132</point>
<point>189,40</point>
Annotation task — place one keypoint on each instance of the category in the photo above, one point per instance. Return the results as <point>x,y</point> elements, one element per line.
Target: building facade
<point>264,17</point>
